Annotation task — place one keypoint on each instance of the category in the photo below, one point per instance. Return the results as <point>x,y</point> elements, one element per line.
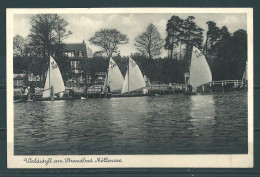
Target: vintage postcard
<point>130,88</point>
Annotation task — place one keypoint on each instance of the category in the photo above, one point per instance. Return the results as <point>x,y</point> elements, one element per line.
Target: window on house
<point>69,54</point>
<point>53,54</point>
<point>80,53</point>
<point>75,66</point>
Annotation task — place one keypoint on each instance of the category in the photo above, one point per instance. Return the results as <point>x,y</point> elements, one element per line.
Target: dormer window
<point>80,53</point>
<point>69,54</point>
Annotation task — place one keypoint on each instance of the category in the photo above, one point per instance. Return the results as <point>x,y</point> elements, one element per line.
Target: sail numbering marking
<point>54,65</point>
<point>198,53</point>
<point>132,62</point>
<point>112,64</point>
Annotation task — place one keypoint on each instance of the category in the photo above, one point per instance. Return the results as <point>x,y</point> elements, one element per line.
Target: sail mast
<point>106,81</point>
<point>50,76</point>
<point>128,73</point>
<point>190,63</point>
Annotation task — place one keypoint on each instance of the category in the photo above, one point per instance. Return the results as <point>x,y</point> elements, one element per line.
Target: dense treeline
<point>225,52</point>
<point>163,70</point>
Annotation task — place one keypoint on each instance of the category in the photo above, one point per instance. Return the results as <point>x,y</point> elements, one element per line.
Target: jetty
<point>153,89</point>
<point>165,89</point>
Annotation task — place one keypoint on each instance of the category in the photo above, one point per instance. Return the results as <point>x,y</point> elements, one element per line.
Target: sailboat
<point>245,78</point>
<point>200,72</point>
<point>147,81</point>
<point>134,79</point>
<point>114,79</point>
<point>54,86</point>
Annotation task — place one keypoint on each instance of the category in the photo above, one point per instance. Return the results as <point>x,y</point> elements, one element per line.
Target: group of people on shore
<point>27,90</point>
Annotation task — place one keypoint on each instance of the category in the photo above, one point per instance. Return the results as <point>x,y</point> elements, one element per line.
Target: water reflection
<point>128,116</point>
<point>170,124</point>
<point>202,118</point>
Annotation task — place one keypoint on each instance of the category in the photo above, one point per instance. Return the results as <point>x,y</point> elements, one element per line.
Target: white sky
<point>84,26</point>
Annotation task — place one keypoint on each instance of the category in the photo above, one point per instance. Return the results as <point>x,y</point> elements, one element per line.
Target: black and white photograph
<point>130,87</point>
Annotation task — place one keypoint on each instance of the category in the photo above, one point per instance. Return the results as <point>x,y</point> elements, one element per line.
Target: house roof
<point>20,74</point>
<point>76,47</point>
<point>18,78</point>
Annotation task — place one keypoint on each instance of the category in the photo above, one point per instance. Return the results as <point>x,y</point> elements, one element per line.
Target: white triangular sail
<point>53,79</point>
<point>199,69</point>
<point>105,85</point>
<point>134,78</point>
<point>245,74</point>
<point>114,77</point>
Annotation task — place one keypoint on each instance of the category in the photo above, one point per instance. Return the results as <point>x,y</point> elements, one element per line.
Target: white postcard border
<point>129,161</point>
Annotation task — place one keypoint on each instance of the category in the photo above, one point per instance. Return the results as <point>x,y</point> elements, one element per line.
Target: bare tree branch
<point>108,40</point>
<point>149,42</point>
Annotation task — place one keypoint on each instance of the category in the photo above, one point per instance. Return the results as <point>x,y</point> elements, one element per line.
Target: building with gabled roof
<point>76,52</point>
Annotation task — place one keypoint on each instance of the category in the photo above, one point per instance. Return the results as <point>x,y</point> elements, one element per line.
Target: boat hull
<point>132,95</point>
<point>116,95</point>
<point>189,93</point>
<point>42,99</point>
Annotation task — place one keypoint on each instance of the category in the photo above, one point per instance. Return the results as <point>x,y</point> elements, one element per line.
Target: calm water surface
<point>170,124</point>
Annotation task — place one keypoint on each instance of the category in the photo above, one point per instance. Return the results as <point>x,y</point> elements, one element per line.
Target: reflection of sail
<point>202,115</point>
<point>202,107</point>
<point>135,111</point>
<point>53,79</point>
<point>48,123</point>
<point>114,77</point>
<point>199,70</point>
<point>134,78</point>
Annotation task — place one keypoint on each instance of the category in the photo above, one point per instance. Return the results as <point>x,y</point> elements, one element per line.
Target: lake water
<point>214,123</point>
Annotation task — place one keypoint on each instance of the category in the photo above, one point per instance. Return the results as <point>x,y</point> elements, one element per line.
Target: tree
<point>226,53</point>
<point>19,45</point>
<point>219,54</point>
<point>193,35</point>
<point>47,31</point>
<point>174,34</point>
<point>213,36</point>
<point>149,42</point>
<point>108,40</point>
<point>238,53</point>
<point>60,29</point>
<point>46,35</point>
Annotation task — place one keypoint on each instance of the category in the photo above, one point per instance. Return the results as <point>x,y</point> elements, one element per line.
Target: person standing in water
<point>108,89</point>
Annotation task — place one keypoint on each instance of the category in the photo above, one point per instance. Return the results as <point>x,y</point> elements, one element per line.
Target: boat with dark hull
<point>186,92</point>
